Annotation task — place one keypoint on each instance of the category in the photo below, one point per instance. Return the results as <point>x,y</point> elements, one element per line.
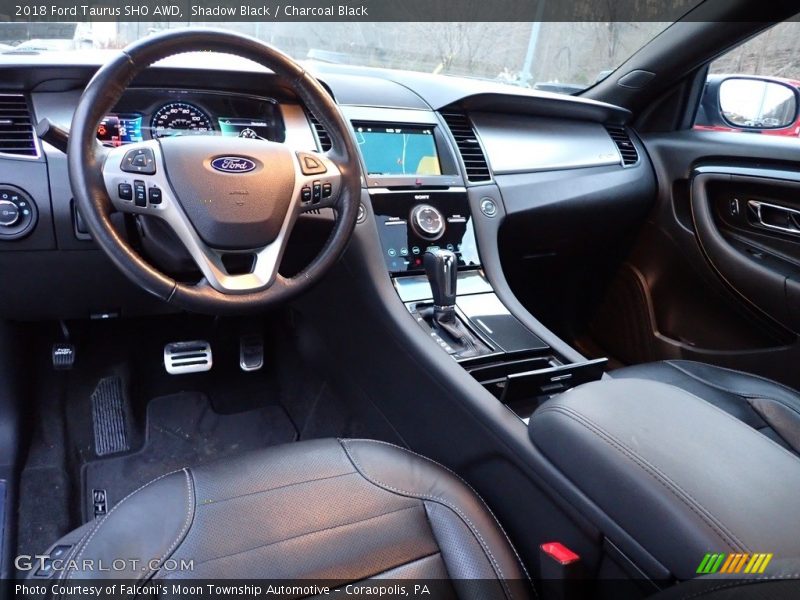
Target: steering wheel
<point>219,195</point>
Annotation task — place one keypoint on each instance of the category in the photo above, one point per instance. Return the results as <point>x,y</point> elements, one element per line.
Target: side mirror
<point>754,103</point>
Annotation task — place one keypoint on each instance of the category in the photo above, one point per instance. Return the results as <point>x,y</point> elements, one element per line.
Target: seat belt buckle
<point>562,572</point>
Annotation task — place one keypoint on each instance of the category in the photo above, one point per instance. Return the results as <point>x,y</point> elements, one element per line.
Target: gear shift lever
<point>441,267</point>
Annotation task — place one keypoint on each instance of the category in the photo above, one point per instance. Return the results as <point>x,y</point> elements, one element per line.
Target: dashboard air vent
<point>322,134</point>
<point>623,141</point>
<point>16,126</point>
<point>468,145</point>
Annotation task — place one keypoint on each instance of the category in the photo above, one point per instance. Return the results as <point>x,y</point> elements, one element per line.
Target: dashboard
<point>446,162</point>
<point>145,114</point>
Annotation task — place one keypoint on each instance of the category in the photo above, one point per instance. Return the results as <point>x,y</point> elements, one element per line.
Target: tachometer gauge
<point>180,118</point>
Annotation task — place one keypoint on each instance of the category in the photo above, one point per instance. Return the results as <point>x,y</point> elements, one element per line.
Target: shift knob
<point>441,266</point>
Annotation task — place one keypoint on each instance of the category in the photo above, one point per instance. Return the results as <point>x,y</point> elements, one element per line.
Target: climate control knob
<point>9,213</point>
<point>427,222</point>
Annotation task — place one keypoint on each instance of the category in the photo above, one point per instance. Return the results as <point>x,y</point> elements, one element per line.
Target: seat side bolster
<point>403,472</point>
<point>147,530</point>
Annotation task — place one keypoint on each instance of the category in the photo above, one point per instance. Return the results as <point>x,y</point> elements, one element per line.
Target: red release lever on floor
<point>560,553</point>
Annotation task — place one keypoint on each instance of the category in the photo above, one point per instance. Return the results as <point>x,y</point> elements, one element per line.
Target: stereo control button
<point>310,164</point>
<point>427,222</point>
<point>139,160</point>
<point>125,191</point>
<point>154,195</point>
<point>139,193</point>
<point>316,192</point>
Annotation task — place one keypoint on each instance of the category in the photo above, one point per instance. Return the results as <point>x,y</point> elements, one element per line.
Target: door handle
<point>774,217</point>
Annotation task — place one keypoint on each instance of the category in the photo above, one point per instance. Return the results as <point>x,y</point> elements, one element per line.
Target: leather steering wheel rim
<point>86,157</point>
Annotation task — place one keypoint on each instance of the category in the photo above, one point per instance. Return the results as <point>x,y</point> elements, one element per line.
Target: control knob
<point>427,222</point>
<point>18,213</point>
<point>9,213</point>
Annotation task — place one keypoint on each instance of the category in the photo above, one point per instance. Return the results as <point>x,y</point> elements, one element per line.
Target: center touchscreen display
<point>397,150</point>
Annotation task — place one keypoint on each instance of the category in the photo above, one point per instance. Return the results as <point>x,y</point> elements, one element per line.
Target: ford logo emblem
<point>233,164</point>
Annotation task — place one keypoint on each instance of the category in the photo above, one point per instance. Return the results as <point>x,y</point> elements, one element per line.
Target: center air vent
<point>623,141</point>
<point>322,134</point>
<point>468,145</point>
<point>16,127</point>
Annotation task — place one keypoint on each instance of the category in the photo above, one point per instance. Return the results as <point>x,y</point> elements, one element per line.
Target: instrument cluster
<point>145,114</point>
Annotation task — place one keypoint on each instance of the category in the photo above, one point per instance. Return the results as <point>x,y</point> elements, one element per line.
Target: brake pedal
<point>251,352</point>
<point>188,357</point>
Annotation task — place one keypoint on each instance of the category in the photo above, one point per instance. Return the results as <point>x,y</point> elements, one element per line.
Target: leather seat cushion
<point>765,405</point>
<point>325,510</point>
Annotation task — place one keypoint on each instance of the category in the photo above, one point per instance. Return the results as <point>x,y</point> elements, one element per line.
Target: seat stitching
<point>302,535</point>
<point>272,489</point>
<point>472,489</point>
<point>727,536</point>
<point>739,583</point>
<point>728,390</point>
<point>116,506</point>
<point>498,571</point>
<point>190,504</point>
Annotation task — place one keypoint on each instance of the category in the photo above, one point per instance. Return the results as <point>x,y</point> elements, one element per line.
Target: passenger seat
<point>765,405</point>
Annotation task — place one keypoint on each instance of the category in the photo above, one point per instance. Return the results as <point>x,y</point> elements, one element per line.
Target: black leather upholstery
<point>331,510</point>
<point>765,405</point>
<point>676,474</point>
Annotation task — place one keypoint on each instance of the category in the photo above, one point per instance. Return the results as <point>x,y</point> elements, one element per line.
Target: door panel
<point>704,281</point>
<point>745,225</point>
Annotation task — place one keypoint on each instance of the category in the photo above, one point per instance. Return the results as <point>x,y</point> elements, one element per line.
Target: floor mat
<point>182,430</point>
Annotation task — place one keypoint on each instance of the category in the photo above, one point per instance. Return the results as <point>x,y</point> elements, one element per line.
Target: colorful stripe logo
<point>734,563</point>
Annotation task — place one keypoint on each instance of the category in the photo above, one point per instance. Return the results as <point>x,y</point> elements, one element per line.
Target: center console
<point>427,235</point>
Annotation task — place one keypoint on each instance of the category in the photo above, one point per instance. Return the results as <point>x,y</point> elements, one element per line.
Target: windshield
<point>564,57</point>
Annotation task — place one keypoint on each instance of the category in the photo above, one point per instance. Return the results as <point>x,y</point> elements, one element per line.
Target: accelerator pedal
<point>188,357</point>
<point>108,417</point>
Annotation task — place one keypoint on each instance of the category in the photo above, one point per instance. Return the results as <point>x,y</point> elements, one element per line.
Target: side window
<point>754,88</point>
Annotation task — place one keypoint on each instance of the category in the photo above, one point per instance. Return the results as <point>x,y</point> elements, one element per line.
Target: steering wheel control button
<point>139,160</point>
<point>125,191</point>
<point>362,214</point>
<point>427,222</point>
<point>488,207</point>
<point>327,190</point>
<point>310,164</point>
<point>139,193</point>
<point>18,213</point>
<point>154,195</point>
<point>317,193</point>
<point>9,213</point>
<point>306,194</point>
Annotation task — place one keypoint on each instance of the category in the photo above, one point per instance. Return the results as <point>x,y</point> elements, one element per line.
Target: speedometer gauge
<point>180,118</point>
